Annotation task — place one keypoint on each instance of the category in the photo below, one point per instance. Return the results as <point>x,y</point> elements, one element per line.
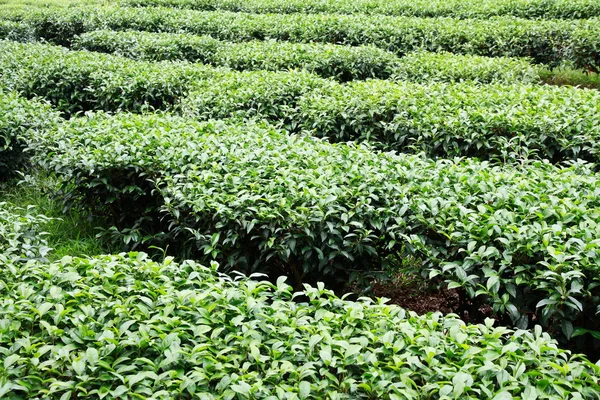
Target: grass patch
<point>72,231</point>
<point>568,76</point>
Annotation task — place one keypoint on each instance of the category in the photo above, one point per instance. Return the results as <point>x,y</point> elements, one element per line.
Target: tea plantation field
<point>202,199</point>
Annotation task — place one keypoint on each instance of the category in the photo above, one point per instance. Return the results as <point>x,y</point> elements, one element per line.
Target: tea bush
<point>543,9</point>
<point>520,237</point>
<point>21,238</point>
<point>271,95</point>
<point>129,328</point>
<point>80,81</point>
<point>498,121</point>
<point>19,120</point>
<point>504,122</point>
<point>427,67</point>
<point>444,120</point>
<point>340,62</point>
<point>18,31</point>
<point>545,41</point>
<point>77,81</point>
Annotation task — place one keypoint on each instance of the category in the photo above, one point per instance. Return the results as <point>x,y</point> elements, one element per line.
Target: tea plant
<point>340,62</point>
<point>19,120</point>
<point>458,120</point>
<point>519,237</point>
<point>17,31</point>
<point>129,328</point>
<point>543,9</point>
<point>545,41</point>
<point>430,67</point>
<point>21,237</point>
<point>497,121</point>
<point>80,81</point>
<point>500,122</point>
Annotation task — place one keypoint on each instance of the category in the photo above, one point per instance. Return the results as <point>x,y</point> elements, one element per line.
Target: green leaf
<point>10,360</point>
<point>304,390</point>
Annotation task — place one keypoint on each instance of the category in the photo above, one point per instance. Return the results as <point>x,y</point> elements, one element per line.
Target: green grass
<point>72,231</point>
<point>568,76</point>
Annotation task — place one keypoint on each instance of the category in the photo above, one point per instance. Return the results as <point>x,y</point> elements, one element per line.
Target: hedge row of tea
<point>507,122</point>
<point>546,9</point>
<point>82,81</point>
<point>493,121</point>
<point>12,30</point>
<point>344,63</point>
<point>256,199</point>
<point>545,41</point>
<point>125,327</point>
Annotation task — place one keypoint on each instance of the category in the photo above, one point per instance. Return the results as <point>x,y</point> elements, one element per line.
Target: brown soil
<point>413,294</point>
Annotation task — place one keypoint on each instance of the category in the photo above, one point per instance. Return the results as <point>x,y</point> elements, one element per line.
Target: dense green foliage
<point>21,238</point>
<point>422,66</point>
<point>128,328</point>
<point>81,81</point>
<point>500,121</point>
<point>520,237</point>
<point>494,121</point>
<point>341,62</point>
<point>19,119</point>
<point>18,31</point>
<point>167,147</point>
<point>418,8</point>
<point>271,95</point>
<point>76,81</point>
<point>545,41</point>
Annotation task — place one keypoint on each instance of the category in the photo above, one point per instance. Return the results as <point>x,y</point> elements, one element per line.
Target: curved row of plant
<point>447,120</point>
<point>442,120</point>
<point>344,63</point>
<point>82,81</point>
<point>545,41</point>
<point>544,9</point>
<point>522,238</point>
<point>167,330</point>
<point>494,121</point>
<point>505,122</point>
<point>13,30</point>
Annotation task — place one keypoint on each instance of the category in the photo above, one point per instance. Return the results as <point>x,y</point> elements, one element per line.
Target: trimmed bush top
<point>534,9</point>
<point>129,328</point>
